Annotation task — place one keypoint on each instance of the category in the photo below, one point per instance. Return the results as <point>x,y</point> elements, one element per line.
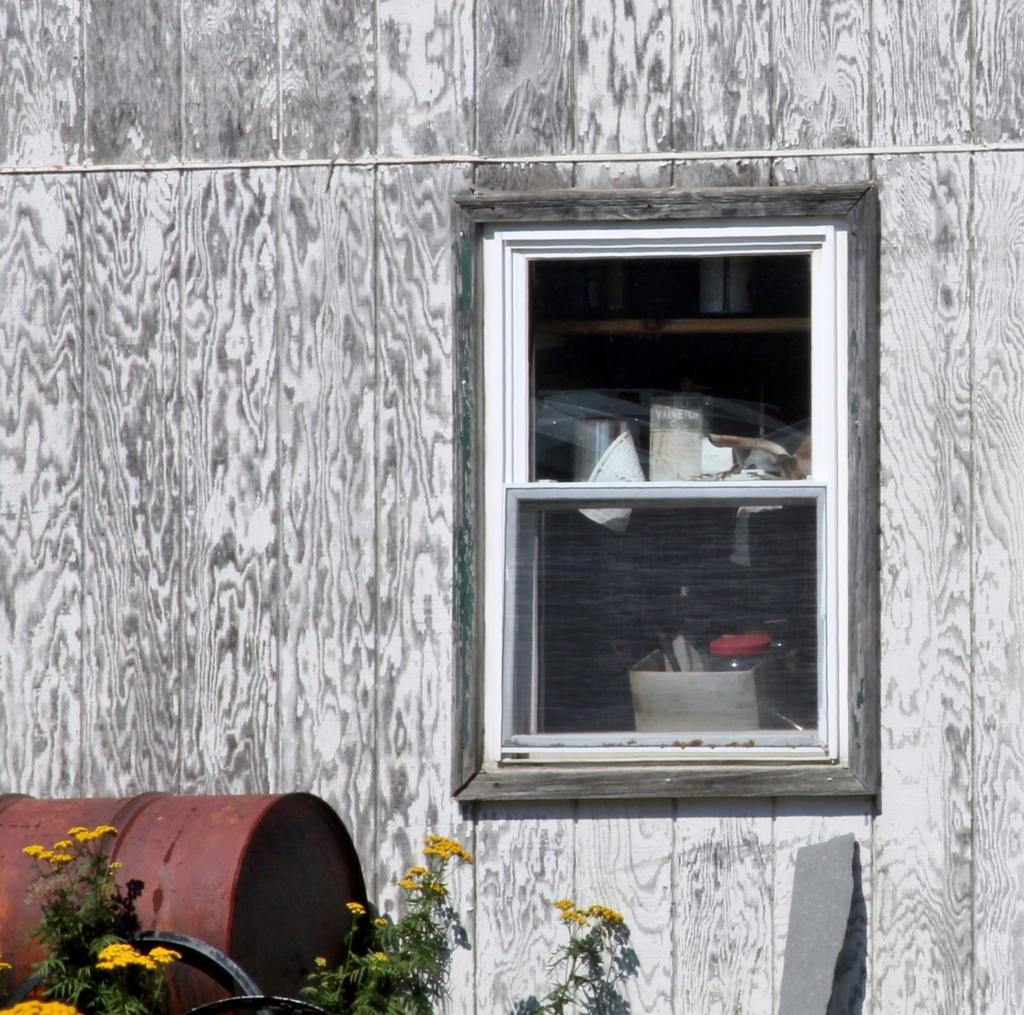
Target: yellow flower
<point>380,921</point>
<point>356,908</point>
<point>115,865</point>
<point>63,844</point>
<point>419,871</point>
<point>5,965</point>
<point>437,888</point>
<point>121,954</point>
<point>408,884</point>
<point>320,961</point>
<point>115,955</point>
<point>35,1007</point>
<point>568,912</point>
<point>58,859</point>
<point>439,845</point>
<point>164,956</point>
<point>90,835</point>
<point>34,851</point>
<point>604,913</point>
<point>380,957</point>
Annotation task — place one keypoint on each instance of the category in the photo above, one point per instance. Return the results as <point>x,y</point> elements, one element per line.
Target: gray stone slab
<point>823,890</point>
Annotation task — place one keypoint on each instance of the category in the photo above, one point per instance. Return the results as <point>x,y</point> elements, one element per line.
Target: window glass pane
<point>635,361</point>
<point>691,617</point>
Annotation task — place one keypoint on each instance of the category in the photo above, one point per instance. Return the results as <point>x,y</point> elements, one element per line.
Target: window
<point>667,573</point>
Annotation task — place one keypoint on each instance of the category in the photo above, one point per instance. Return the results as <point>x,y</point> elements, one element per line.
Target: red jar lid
<point>740,644</point>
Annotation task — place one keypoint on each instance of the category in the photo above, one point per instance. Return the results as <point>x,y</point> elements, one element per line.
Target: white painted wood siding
<point>226,448</point>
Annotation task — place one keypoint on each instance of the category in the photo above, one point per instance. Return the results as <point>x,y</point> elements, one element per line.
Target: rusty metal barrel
<point>264,879</point>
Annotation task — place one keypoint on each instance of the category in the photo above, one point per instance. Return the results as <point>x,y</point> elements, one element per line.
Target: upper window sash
<point>508,250</point>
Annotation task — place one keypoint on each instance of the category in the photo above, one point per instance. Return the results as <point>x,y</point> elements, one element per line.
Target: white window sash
<point>507,252</point>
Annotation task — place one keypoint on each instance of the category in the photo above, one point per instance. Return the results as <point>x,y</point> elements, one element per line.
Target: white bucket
<point>673,701</point>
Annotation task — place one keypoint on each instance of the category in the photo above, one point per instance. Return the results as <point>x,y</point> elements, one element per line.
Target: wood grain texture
<point>623,84</point>
<point>863,467</point>
<point>468,451</point>
<point>722,173</point>
<point>706,781</point>
<point>618,175</point>
<point>921,81</point>
<point>133,80</point>
<point>623,859</point>
<point>40,485</point>
<point>525,862</point>
<point>132,470</point>
<point>722,75</point>
<point>998,84</point>
<point>426,77</point>
<point>328,78</point>
<point>820,59</point>
<point>574,206</point>
<point>517,177</point>
<point>414,507</point>
<point>230,69</point>
<point>722,915</point>
<point>821,170</point>
<point>998,606</point>
<point>525,97</point>
<point>41,82</point>
<point>327,662</point>
<point>229,486</point>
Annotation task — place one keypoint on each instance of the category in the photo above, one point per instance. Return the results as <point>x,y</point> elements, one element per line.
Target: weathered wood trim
<point>467,607</point>
<point>859,774</point>
<point>638,781</point>
<point>863,662</point>
<point>705,203</point>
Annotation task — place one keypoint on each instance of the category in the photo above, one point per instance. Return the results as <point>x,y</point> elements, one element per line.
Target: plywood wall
<point>226,449</point>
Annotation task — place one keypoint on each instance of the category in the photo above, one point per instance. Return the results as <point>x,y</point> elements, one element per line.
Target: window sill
<point>549,782</point>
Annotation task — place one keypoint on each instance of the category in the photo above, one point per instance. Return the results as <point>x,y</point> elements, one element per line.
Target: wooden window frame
<point>854,770</point>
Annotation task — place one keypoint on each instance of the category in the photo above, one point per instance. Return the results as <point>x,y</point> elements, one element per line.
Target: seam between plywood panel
<point>375,887</point>
<point>543,158</point>
<point>972,548</point>
<point>83,486</point>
